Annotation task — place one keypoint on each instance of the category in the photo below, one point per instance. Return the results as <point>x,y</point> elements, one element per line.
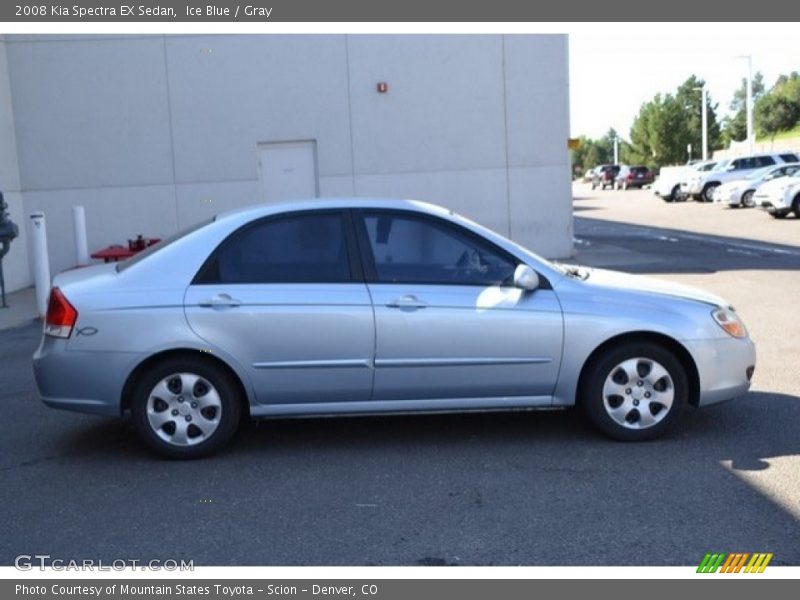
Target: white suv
<point>780,197</point>
<point>701,186</point>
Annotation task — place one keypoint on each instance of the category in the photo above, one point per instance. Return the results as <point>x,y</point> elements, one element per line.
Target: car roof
<point>264,209</point>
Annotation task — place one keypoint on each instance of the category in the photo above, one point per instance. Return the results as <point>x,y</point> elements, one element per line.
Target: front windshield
<point>761,173</point>
<point>720,165</point>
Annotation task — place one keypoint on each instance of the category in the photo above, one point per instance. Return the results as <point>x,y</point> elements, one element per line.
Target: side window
<point>737,164</point>
<point>410,249</point>
<point>299,248</point>
<point>765,161</point>
<point>789,157</point>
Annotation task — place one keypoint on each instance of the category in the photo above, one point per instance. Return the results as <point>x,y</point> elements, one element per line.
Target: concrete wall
<point>152,133</point>
<point>15,263</point>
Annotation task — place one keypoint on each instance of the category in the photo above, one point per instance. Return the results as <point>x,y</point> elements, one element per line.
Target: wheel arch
<point>139,369</point>
<point>667,342</point>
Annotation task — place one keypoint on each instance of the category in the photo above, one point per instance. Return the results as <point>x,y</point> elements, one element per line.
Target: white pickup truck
<point>668,184</point>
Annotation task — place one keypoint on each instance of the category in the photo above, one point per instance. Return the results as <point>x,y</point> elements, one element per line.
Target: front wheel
<point>186,407</point>
<point>634,392</point>
<point>748,199</point>
<point>796,206</point>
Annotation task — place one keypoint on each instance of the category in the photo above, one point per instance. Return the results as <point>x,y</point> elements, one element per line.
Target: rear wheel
<point>748,199</point>
<point>186,407</point>
<point>708,192</point>
<point>673,194</point>
<point>634,392</point>
<point>796,206</point>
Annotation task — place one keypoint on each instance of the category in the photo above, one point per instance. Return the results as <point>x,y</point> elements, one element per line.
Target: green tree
<point>779,109</point>
<point>665,126</point>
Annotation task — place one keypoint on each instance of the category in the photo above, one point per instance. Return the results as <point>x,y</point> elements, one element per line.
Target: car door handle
<point>219,301</point>
<point>408,302</point>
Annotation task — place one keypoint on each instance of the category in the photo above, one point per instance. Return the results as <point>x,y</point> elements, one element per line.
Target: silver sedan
<point>354,306</point>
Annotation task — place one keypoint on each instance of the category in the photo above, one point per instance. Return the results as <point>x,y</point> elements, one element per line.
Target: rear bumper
<point>725,368</point>
<point>87,382</point>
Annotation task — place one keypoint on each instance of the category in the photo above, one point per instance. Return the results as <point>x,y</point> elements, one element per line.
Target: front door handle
<point>407,302</point>
<point>220,301</point>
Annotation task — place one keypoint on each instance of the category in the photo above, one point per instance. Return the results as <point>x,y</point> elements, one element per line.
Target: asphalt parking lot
<point>494,489</point>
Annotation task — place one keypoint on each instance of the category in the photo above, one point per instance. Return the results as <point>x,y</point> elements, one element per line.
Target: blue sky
<point>614,69</point>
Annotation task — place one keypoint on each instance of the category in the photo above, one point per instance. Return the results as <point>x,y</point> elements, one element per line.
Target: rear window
<point>639,169</point>
<point>122,265</point>
<point>789,157</point>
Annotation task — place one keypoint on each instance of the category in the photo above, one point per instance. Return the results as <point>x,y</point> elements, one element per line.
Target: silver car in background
<point>353,306</point>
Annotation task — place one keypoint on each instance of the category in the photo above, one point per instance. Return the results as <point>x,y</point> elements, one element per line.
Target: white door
<point>288,170</point>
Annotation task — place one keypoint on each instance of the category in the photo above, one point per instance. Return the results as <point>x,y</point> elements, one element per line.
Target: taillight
<point>61,315</point>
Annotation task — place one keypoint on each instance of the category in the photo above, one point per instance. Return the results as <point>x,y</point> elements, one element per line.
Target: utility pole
<point>749,102</point>
<point>616,150</point>
<point>704,118</point>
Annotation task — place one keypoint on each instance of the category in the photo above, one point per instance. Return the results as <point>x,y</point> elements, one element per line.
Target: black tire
<point>594,185</point>
<point>748,199</point>
<point>223,383</point>
<point>777,215</point>
<point>593,404</point>
<point>708,192</point>
<point>673,194</point>
<point>796,206</point>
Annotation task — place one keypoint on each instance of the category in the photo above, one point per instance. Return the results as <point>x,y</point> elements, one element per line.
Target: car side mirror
<point>526,278</point>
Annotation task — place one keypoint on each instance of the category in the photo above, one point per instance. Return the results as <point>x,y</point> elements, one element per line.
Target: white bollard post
<point>81,243</point>
<point>41,262</point>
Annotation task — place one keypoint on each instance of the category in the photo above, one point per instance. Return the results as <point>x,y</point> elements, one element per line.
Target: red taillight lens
<point>61,315</point>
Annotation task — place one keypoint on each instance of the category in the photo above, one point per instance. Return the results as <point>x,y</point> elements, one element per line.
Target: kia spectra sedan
<point>345,307</point>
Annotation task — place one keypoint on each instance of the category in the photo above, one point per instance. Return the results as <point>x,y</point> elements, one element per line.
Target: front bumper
<point>773,208</point>
<point>725,367</point>
<point>87,382</point>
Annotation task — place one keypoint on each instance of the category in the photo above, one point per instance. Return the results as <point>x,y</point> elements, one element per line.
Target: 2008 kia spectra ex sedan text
<point>333,307</point>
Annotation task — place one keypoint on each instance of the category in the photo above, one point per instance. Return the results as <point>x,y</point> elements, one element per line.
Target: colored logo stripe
<point>734,562</point>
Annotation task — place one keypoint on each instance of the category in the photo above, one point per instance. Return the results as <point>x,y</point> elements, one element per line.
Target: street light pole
<point>704,113</point>
<point>616,150</point>
<point>749,102</point>
<point>704,118</point>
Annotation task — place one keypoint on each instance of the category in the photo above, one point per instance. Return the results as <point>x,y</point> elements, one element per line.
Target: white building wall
<point>152,133</point>
<point>15,263</point>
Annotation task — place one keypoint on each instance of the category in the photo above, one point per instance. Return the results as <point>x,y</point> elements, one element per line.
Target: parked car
<point>741,192</point>
<point>634,177</point>
<point>355,306</point>
<point>780,197</point>
<point>605,176</point>
<point>668,184</point>
<point>701,186</point>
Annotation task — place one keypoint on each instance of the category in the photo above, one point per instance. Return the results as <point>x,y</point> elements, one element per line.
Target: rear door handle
<point>407,302</point>
<point>220,301</point>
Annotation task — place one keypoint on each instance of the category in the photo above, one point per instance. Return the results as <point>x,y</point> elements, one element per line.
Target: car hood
<point>776,186</point>
<point>603,278</point>
<point>732,185</point>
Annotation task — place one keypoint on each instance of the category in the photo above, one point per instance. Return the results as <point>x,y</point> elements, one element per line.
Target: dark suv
<point>634,177</point>
<point>605,175</point>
